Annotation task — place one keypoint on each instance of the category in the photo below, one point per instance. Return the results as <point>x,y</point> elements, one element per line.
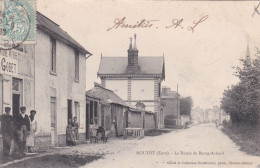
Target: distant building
<point>171,103</point>
<point>135,79</point>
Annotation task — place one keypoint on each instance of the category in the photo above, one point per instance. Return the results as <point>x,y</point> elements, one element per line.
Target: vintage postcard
<point>129,84</point>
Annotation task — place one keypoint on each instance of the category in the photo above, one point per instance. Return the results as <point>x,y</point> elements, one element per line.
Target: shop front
<point>16,80</point>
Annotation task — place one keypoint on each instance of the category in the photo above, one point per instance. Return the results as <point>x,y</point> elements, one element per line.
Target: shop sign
<point>8,66</point>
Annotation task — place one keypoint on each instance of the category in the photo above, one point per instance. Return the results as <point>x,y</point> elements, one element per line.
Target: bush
<point>170,120</point>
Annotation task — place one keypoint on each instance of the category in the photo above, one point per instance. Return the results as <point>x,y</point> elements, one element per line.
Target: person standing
<point>7,131</point>
<point>33,129</point>
<point>22,127</point>
<point>75,124</point>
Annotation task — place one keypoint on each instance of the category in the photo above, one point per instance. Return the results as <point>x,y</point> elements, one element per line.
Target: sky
<point>200,62</point>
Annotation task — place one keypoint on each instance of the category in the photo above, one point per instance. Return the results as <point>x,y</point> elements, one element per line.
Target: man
<point>33,129</point>
<point>7,132</point>
<point>22,127</point>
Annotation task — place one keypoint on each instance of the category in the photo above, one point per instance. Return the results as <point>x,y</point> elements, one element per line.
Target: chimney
<point>132,57</point>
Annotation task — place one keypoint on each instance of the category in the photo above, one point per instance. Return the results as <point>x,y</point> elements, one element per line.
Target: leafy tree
<point>186,105</point>
<point>241,101</point>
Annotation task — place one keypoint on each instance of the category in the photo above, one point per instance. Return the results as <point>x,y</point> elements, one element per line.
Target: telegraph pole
<point>178,113</point>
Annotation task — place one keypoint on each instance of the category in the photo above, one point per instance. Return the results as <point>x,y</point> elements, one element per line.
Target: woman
<point>75,125</point>
<point>30,142</point>
<point>70,135</point>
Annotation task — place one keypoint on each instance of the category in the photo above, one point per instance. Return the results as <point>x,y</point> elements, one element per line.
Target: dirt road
<point>198,146</point>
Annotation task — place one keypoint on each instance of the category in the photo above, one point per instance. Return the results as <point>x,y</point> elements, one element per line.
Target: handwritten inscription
<point>154,24</point>
<point>256,11</point>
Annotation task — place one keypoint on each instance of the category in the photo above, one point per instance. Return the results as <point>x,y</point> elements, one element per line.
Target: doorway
<point>16,104</point>
<point>54,138</point>
<point>17,95</point>
<point>69,110</point>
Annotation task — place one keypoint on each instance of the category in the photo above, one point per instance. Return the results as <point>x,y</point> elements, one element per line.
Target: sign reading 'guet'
<point>8,66</point>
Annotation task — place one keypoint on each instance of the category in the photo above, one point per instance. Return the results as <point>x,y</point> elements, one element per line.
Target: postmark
<point>18,22</point>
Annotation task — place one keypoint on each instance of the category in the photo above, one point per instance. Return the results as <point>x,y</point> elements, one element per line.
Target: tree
<point>241,101</point>
<point>186,105</point>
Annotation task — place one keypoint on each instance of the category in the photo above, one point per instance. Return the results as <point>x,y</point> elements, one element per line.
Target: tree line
<point>242,100</point>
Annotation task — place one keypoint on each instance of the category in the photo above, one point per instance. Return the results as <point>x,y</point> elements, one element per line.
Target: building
<point>135,79</point>
<point>49,77</point>
<point>171,103</point>
<point>105,108</point>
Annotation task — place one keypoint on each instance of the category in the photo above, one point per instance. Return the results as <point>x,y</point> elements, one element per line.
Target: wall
<point>149,121</point>
<point>136,120</point>
<point>142,89</point>
<point>118,86</point>
<point>25,73</point>
<point>62,85</point>
<point>170,106</point>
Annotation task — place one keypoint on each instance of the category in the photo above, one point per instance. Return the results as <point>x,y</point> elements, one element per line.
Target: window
<point>93,112</point>
<point>53,56</point>
<point>76,65</point>
<point>15,84</point>
<point>77,112</point>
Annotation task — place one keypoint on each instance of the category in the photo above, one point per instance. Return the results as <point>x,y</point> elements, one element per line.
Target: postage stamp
<point>18,22</point>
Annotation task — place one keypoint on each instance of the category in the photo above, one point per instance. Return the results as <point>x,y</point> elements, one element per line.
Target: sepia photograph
<point>129,84</point>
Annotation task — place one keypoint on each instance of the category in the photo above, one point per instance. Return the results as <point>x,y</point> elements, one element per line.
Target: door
<point>16,104</point>
<point>69,110</point>
<point>54,137</point>
<point>87,121</point>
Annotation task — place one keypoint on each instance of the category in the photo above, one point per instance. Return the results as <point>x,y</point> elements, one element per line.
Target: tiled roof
<point>54,29</point>
<point>118,66</point>
<point>105,95</point>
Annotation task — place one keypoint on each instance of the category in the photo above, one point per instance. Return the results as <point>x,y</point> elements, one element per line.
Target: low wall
<point>136,120</point>
<point>149,121</point>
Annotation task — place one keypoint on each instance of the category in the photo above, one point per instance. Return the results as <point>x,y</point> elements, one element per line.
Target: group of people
<point>21,129</point>
<point>72,132</point>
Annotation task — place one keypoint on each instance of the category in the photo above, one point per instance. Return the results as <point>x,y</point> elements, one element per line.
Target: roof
<point>105,95</point>
<point>54,29</point>
<point>118,66</point>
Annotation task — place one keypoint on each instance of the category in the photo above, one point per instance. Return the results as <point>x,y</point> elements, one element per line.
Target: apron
<point>31,137</point>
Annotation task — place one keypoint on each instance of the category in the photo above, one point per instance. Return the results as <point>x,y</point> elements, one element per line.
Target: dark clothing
<point>22,127</point>
<point>7,132</point>
<point>6,123</point>
<point>19,121</point>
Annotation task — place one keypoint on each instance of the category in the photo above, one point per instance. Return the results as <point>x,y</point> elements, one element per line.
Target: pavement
<point>199,146</point>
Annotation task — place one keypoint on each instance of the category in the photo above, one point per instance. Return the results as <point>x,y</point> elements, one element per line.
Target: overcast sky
<point>200,62</point>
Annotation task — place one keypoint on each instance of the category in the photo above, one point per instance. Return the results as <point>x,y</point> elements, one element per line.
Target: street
<point>198,146</point>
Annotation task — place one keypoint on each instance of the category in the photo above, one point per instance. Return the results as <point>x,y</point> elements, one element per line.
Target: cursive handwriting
<point>197,23</point>
<point>120,23</point>
<point>256,10</point>
<point>149,24</point>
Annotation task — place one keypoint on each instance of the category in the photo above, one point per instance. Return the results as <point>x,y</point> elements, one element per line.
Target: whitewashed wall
<point>118,86</point>
<point>61,85</point>
<point>142,89</point>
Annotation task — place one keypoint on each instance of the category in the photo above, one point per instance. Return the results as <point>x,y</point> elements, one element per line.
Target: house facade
<point>49,77</point>
<point>135,79</point>
<point>60,80</point>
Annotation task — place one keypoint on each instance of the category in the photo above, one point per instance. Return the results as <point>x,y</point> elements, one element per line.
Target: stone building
<point>49,77</point>
<point>135,79</point>
<point>171,103</point>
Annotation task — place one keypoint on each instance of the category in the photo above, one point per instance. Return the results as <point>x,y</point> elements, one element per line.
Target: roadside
<point>246,137</point>
<point>75,156</point>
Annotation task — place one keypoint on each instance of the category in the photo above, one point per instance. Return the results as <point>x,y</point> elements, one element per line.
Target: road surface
<point>198,146</point>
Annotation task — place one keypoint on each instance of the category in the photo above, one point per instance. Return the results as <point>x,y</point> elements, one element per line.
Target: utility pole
<point>178,113</point>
